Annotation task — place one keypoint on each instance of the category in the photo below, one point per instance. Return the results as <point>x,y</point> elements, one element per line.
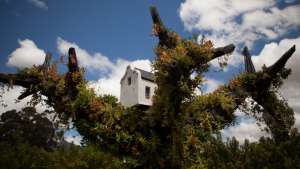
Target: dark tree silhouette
<point>27,126</point>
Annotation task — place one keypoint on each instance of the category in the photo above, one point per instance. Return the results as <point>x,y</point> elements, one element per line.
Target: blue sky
<point>110,34</point>
<point>115,28</point>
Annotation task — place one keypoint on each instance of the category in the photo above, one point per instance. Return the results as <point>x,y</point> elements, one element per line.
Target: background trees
<point>27,126</point>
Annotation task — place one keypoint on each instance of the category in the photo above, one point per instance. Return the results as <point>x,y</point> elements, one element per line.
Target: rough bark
<point>280,63</point>
<point>8,78</point>
<point>249,67</point>
<point>218,52</point>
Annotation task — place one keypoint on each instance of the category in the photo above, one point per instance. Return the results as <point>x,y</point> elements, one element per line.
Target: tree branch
<point>218,52</point>
<point>249,67</point>
<point>27,92</point>
<point>165,37</point>
<point>277,66</point>
<point>24,82</point>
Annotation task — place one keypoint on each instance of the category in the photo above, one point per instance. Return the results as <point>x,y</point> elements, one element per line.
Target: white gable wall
<point>135,93</point>
<point>129,93</point>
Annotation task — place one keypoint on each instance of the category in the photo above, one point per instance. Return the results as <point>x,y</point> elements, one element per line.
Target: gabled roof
<point>146,75</point>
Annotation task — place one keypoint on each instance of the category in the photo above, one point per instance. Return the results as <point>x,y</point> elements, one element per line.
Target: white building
<point>137,87</point>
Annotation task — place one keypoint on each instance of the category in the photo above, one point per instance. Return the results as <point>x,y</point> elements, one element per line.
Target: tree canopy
<point>27,126</point>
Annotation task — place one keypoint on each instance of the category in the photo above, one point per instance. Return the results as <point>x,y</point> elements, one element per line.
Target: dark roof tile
<point>146,75</point>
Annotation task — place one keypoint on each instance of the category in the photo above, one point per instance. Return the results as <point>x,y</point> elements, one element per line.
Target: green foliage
<point>27,126</point>
<point>265,154</point>
<point>111,100</point>
<point>24,156</point>
<point>212,111</point>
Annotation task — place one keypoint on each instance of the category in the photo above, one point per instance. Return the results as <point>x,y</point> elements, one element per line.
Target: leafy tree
<point>25,156</point>
<point>27,126</point>
<point>111,100</point>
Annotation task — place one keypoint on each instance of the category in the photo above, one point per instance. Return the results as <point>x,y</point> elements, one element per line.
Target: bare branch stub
<point>249,67</point>
<point>280,63</point>
<point>73,64</point>
<point>27,92</point>
<point>218,52</point>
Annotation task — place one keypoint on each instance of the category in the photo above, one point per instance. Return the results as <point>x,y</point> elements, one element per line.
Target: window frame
<point>147,92</point>
<point>129,81</point>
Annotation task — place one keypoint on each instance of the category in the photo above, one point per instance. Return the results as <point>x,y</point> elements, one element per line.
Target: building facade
<point>137,87</point>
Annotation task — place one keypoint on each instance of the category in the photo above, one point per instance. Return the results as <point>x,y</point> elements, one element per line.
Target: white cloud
<point>39,3</point>
<point>27,55</point>
<point>211,85</point>
<point>297,119</point>
<point>289,1</point>
<point>89,61</point>
<point>290,89</point>
<point>110,84</point>
<point>245,129</point>
<point>273,51</point>
<point>234,60</point>
<point>73,137</point>
<point>217,14</point>
<point>238,22</point>
<point>112,72</point>
<point>242,23</point>
<point>9,98</point>
<point>276,21</point>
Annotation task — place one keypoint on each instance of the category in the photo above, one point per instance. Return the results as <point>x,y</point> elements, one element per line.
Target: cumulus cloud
<point>110,84</point>
<point>247,128</point>
<point>238,22</point>
<point>243,23</point>
<point>271,52</point>
<point>9,98</point>
<point>297,119</point>
<point>72,136</point>
<point>219,19</point>
<point>217,15</point>
<point>89,61</point>
<point>290,89</point>
<point>276,21</point>
<point>39,3</point>
<point>27,55</point>
<point>234,60</point>
<point>112,72</point>
<point>244,131</point>
<point>211,85</point>
<point>289,1</point>
<point>74,139</point>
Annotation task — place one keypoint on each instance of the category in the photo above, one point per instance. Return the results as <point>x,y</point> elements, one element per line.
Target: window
<point>147,92</point>
<point>129,81</point>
